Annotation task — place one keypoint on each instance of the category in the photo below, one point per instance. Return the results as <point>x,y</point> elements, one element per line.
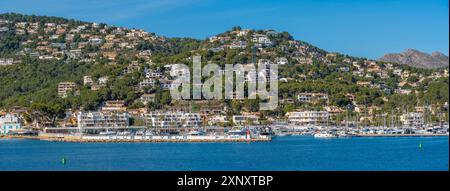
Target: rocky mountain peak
<point>418,59</point>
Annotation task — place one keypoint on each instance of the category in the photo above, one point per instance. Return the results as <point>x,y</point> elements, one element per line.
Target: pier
<point>149,138</point>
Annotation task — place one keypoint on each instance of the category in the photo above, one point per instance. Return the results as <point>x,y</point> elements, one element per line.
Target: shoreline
<point>72,138</point>
<point>160,140</point>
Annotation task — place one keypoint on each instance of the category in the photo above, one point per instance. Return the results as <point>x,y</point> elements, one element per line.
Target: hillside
<point>115,63</point>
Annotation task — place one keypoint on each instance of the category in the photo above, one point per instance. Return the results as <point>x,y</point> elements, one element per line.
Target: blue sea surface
<point>302,153</point>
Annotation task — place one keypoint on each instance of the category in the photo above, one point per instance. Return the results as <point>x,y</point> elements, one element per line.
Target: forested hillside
<point>37,53</point>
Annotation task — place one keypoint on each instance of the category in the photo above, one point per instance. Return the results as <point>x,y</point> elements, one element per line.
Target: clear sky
<point>368,28</point>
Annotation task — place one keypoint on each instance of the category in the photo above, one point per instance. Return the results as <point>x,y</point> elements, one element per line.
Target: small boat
<point>124,133</point>
<point>108,133</point>
<point>236,132</point>
<point>283,134</point>
<point>139,133</point>
<point>196,133</point>
<point>343,134</point>
<point>148,133</point>
<point>324,135</point>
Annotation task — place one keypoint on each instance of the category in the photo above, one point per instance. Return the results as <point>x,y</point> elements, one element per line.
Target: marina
<point>220,134</point>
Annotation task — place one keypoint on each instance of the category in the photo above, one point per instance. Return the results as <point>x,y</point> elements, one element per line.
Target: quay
<point>162,138</point>
<point>157,140</point>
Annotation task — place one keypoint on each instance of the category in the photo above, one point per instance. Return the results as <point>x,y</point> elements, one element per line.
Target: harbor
<point>221,134</point>
<point>141,134</point>
<point>114,123</point>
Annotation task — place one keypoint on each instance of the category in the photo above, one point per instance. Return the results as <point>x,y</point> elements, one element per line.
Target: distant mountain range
<point>418,59</point>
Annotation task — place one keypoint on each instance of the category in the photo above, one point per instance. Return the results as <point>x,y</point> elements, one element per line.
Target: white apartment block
<point>103,119</point>
<point>217,119</point>
<point>9,123</point>
<point>152,74</point>
<point>308,117</point>
<point>261,39</point>
<point>148,82</point>
<point>6,61</point>
<point>172,119</point>
<point>412,119</point>
<point>312,97</point>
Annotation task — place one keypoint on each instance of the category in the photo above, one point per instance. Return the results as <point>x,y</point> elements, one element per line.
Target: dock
<point>155,139</point>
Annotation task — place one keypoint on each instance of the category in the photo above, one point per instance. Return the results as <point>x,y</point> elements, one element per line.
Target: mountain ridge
<point>418,59</point>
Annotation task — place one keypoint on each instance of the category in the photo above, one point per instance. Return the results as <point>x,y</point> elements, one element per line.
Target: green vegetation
<point>33,82</point>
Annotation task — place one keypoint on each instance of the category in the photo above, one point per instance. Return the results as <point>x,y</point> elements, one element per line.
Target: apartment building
<point>8,123</point>
<point>245,119</point>
<point>312,97</point>
<point>64,87</point>
<point>103,119</point>
<point>6,61</point>
<point>172,119</point>
<point>308,117</point>
<point>412,119</point>
<point>148,82</point>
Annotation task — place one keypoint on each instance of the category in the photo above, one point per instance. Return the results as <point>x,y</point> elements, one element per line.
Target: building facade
<point>245,119</point>
<point>114,105</point>
<point>412,119</point>
<point>312,97</point>
<point>64,87</point>
<point>103,119</point>
<point>172,119</point>
<point>9,123</point>
<point>308,117</point>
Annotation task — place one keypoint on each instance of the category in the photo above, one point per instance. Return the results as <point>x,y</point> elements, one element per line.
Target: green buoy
<point>63,161</point>
<point>420,145</point>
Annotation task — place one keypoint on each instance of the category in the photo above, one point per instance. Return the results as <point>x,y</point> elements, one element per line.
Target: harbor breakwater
<point>162,138</point>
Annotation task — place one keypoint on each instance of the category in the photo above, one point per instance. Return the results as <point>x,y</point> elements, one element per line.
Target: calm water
<point>283,153</point>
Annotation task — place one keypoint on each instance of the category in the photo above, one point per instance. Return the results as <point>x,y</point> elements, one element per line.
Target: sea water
<point>300,153</point>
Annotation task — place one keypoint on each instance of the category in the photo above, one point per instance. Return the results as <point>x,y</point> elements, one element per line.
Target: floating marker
<point>420,145</point>
<point>63,161</point>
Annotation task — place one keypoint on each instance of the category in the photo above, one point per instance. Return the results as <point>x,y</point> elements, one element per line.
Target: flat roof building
<point>8,123</point>
<point>64,87</point>
<point>103,119</point>
<point>172,119</point>
<point>308,117</point>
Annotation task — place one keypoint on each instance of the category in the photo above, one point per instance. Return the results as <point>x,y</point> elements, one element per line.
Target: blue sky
<point>368,28</point>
